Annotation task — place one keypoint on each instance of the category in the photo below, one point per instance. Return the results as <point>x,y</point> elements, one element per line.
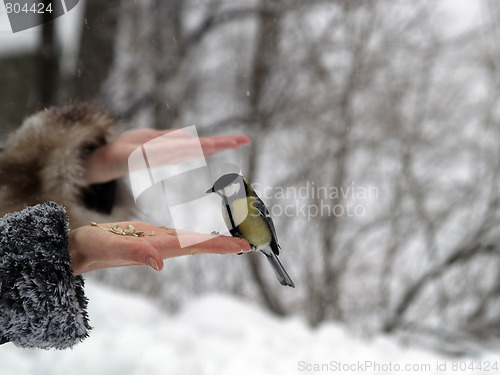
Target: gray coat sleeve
<point>42,304</point>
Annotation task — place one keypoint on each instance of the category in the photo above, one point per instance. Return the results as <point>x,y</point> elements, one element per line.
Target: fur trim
<point>42,161</point>
<point>42,304</point>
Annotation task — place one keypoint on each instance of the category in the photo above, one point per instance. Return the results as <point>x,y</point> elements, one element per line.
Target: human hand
<point>94,248</point>
<point>110,161</point>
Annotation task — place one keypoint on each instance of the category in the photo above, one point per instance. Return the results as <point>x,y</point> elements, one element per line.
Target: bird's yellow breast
<point>252,226</point>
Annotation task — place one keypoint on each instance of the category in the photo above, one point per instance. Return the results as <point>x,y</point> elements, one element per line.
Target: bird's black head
<point>228,185</point>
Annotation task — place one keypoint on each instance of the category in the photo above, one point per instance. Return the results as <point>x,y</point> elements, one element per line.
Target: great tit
<point>246,216</point>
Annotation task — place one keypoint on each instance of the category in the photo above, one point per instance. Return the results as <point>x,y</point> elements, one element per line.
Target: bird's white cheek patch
<point>231,190</point>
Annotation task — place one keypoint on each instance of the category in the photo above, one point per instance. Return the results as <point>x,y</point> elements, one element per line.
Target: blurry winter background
<point>376,124</point>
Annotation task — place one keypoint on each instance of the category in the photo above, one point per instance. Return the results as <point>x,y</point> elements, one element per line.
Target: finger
<point>180,232</point>
<point>220,142</point>
<point>242,139</point>
<point>131,250</point>
<point>212,145</point>
<point>204,243</point>
<point>214,245</point>
<point>141,252</point>
<point>202,237</point>
<point>141,136</point>
<point>177,133</point>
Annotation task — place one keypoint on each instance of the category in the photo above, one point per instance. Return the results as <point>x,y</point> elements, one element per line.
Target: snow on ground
<point>217,334</point>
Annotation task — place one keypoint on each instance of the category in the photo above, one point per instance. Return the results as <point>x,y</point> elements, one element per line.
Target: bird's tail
<point>279,270</point>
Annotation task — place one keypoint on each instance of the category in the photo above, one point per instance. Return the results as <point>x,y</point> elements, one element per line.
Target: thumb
<point>143,253</point>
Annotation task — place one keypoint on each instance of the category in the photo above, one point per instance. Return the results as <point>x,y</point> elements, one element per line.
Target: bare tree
<point>339,97</point>
<point>48,71</point>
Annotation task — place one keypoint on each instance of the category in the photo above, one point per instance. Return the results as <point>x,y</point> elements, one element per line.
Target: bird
<point>246,216</point>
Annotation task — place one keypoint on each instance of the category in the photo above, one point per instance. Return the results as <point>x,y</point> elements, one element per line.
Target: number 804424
<point>25,8</point>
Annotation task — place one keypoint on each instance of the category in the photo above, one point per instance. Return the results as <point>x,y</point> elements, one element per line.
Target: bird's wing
<point>265,214</point>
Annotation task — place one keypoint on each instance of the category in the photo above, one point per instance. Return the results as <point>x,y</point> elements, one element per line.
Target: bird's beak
<point>211,190</point>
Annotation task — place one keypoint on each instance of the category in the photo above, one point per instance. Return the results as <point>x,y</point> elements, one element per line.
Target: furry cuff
<point>42,304</point>
<point>42,161</point>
